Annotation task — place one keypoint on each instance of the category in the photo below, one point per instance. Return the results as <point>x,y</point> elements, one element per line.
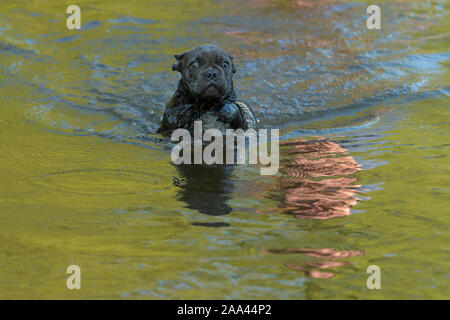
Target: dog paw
<point>228,113</point>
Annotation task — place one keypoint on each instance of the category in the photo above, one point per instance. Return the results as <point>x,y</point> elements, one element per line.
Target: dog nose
<point>212,74</point>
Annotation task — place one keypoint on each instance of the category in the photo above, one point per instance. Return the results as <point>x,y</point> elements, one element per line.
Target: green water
<point>86,181</point>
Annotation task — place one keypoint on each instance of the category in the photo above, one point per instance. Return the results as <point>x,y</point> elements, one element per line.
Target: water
<point>85,180</point>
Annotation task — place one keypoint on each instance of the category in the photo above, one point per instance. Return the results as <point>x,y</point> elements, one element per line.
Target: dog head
<point>206,72</point>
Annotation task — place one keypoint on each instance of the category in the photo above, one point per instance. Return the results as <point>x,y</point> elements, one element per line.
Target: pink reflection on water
<point>317,181</point>
<point>323,253</point>
<point>319,253</point>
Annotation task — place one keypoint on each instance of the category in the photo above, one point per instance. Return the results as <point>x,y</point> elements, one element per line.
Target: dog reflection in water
<point>317,183</point>
<point>205,188</point>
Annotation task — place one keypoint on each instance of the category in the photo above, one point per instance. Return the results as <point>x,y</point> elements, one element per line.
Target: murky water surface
<point>85,180</point>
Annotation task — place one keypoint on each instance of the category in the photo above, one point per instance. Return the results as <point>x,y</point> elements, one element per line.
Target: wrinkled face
<point>207,71</point>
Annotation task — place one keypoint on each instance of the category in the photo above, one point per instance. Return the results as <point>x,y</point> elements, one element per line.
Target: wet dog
<point>205,88</point>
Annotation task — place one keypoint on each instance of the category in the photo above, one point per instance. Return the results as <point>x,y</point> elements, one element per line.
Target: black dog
<point>206,86</point>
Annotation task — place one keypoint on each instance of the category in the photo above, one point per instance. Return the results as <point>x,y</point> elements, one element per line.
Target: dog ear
<point>177,65</point>
<point>233,69</point>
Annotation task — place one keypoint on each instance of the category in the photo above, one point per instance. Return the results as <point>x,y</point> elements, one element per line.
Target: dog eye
<point>225,64</point>
<point>193,64</point>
